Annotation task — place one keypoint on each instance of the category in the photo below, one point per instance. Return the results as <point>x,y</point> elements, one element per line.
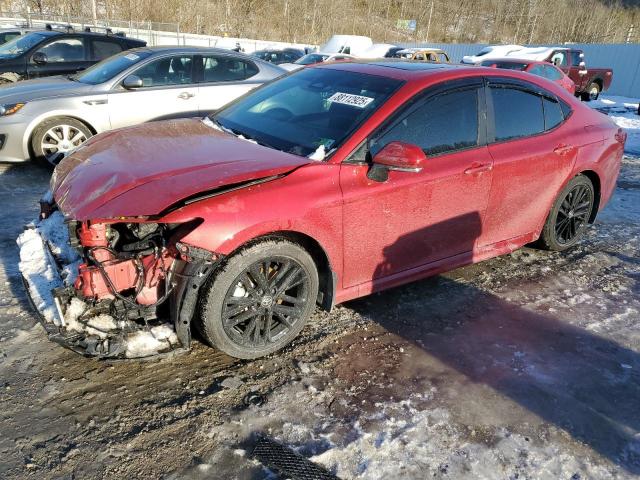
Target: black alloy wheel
<point>265,302</point>
<point>570,215</point>
<point>260,299</point>
<point>573,214</point>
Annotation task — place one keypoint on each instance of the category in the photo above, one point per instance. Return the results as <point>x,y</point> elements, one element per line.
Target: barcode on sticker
<point>350,99</point>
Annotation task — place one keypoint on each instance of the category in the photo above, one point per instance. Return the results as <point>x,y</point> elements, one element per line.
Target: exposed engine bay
<point>106,285</point>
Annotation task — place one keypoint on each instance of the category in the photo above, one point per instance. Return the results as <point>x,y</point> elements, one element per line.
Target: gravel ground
<point>524,366</point>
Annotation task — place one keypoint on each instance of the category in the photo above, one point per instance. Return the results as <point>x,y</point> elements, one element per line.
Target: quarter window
<point>552,113</point>
<point>166,71</point>
<point>517,113</point>
<point>227,69</point>
<point>445,123</point>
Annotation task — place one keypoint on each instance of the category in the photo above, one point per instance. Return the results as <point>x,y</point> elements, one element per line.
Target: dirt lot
<point>525,366</point>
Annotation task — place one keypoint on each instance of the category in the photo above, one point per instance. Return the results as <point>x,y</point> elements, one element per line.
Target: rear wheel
<point>592,93</point>
<point>569,216</point>
<point>260,300</point>
<point>55,137</point>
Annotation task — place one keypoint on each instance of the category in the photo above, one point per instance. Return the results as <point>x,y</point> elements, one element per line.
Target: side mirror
<point>131,82</point>
<point>40,58</point>
<point>399,157</point>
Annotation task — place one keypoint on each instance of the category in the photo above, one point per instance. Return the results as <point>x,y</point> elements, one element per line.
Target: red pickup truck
<point>589,81</point>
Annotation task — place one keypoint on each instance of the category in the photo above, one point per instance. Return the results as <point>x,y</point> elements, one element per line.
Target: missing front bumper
<point>106,330</point>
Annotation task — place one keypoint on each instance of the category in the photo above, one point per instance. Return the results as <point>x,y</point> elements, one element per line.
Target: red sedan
<point>542,69</point>
<point>326,185</point>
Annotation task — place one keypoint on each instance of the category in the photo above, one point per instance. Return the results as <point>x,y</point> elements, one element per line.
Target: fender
<point>303,202</point>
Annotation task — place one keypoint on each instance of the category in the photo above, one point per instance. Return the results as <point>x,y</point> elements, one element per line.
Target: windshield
<point>110,67</point>
<point>313,109</point>
<point>311,58</point>
<point>19,45</point>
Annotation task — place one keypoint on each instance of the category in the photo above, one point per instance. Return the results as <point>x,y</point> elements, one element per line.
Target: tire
<point>9,77</point>
<point>45,134</point>
<point>244,314</point>
<point>592,93</point>
<point>569,216</point>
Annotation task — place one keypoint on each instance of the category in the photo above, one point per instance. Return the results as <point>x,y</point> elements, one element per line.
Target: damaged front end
<point>123,288</point>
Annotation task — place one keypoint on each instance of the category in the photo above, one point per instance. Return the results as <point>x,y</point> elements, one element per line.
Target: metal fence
<point>155,34</point>
<point>623,58</point>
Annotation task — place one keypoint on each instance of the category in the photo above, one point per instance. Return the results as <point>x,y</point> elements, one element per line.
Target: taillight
<point>621,136</point>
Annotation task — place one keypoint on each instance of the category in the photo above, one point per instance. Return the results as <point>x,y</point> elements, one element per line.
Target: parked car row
<point>590,82</point>
<point>46,118</point>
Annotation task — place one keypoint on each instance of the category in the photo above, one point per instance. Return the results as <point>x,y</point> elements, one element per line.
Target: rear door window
<point>101,49</point>
<point>445,123</point>
<point>226,69</point>
<point>576,58</point>
<point>166,71</point>
<point>537,70</point>
<point>518,113</point>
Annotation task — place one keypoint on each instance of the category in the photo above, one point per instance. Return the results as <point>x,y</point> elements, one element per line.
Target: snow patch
<point>43,246</point>
<point>623,111</point>
<point>149,342</point>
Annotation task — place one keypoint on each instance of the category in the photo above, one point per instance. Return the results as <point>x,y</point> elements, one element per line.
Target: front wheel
<point>569,216</point>
<point>260,300</point>
<point>54,138</point>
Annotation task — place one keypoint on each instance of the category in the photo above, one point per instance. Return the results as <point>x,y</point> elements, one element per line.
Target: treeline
<point>313,21</point>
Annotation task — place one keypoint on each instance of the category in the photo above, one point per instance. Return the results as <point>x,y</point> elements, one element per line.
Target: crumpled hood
<point>41,88</point>
<point>143,170</point>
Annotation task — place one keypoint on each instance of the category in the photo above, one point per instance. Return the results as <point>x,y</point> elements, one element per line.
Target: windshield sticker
<point>132,56</point>
<point>349,99</point>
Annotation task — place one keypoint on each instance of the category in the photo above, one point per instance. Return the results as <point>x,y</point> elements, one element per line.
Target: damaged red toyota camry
<point>326,185</point>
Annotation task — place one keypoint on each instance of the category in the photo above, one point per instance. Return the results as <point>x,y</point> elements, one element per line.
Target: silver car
<point>46,118</point>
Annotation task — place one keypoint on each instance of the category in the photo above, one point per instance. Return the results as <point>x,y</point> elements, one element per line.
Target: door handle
<point>563,150</point>
<point>186,95</point>
<point>479,168</point>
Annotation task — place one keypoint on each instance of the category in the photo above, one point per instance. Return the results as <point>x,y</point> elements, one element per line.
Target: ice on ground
<point>42,248</point>
<point>149,342</point>
<point>623,111</point>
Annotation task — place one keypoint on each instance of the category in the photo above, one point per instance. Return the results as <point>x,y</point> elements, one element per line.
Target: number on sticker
<point>350,99</point>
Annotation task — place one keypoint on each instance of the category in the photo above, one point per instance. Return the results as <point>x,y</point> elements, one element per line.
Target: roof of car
<point>411,70</point>
<point>278,49</point>
<point>54,32</point>
<point>392,67</point>
<point>528,61</point>
<point>190,49</point>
